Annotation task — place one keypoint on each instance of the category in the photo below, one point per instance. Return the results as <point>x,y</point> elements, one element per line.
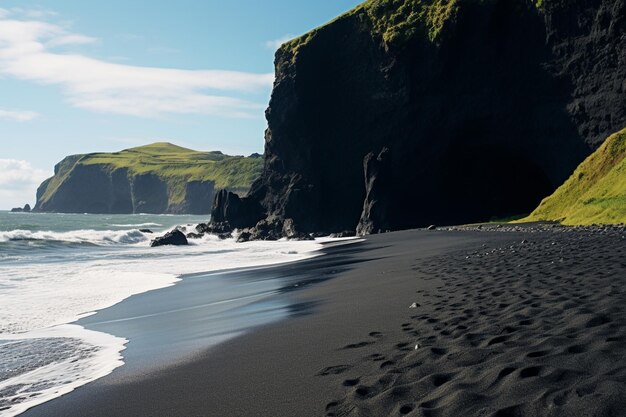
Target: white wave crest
<point>40,298</point>
<point>138,225</point>
<point>95,237</point>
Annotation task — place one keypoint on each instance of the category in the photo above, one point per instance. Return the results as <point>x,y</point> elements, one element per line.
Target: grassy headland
<point>175,165</point>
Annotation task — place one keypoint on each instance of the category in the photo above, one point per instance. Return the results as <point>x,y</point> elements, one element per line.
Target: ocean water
<point>58,268</point>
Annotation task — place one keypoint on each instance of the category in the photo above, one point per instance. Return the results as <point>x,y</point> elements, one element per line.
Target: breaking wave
<point>92,237</point>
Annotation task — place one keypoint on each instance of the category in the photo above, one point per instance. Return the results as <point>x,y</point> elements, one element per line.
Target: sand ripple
<point>536,328</point>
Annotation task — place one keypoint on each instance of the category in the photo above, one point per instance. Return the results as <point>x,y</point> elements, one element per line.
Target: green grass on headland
<point>174,164</point>
<point>168,160</point>
<point>595,193</point>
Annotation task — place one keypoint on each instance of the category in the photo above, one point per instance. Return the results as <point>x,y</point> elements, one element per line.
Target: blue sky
<point>82,76</point>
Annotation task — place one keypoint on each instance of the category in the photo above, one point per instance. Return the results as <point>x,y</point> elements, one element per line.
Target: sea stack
<point>25,209</point>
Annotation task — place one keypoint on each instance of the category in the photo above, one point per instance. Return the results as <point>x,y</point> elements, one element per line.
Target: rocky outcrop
<point>462,110</point>
<point>378,185</point>
<point>173,238</point>
<point>229,212</point>
<point>25,209</point>
<point>159,178</point>
<point>223,231</point>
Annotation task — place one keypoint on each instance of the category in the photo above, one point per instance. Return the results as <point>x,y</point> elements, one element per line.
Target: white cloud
<point>18,115</point>
<point>37,13</point>
<point>276,43</point>
<point>18,183</point>
<point>71,39</point>
<point>27,52</point>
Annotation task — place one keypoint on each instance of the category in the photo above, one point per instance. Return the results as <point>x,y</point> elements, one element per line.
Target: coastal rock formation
<point>174,238</point>
<point>596,191</point>
<point>230,211</point>
<point>157,178</point>
<point>25,209</point>
<point>462,110</point>
<point>377,186</point>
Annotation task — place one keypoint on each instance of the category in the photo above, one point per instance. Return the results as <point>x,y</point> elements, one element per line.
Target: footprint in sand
<point>351,382</point>
<point>357,345</point>
<point>334,370</point>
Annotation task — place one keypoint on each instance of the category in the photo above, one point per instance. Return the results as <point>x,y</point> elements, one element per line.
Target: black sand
<point>505,323</point>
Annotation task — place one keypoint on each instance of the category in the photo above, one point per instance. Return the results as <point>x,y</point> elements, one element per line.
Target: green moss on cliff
<point>595,193</point>
<point>398,21</point>
<point>175,165</point>
<point>61,171</point>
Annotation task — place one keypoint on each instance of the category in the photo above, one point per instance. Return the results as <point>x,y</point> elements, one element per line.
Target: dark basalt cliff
<point>405,113</point>
<point>98,189</point>
<point>157,178</point>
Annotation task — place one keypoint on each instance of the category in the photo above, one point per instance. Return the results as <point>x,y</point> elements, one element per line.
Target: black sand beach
<point>498,322</point>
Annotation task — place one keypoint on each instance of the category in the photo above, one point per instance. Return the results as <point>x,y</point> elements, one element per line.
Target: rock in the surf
<point>195,235</point>
<point>25,209</point>
<point>175,238</point>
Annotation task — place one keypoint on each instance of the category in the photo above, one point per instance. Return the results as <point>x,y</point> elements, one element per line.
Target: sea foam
<point>94,237</point>
<point>45,364</point>
<point>39,299</point>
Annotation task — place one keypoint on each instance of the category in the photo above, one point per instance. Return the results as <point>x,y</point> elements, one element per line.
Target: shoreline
<point>262,301</point>
<point>138,365</point>
<point>137,317</point>
<point>108,276</point>
<point>352,351</point>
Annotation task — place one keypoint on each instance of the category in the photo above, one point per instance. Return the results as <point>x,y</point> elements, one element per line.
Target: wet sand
<point>493,322</point>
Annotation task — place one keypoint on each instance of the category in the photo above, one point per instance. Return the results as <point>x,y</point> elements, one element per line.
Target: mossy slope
<point>172,165</point>
<point>399,21</point>
<point>595,193</point>
<point>395,20</point>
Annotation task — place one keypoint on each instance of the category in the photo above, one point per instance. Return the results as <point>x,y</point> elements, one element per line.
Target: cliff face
<point>158,178</point>
<point>404,113</point>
